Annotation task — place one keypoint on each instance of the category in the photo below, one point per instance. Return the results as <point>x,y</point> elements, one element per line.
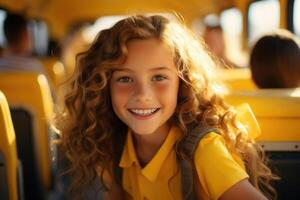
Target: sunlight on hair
<point>220,89</point>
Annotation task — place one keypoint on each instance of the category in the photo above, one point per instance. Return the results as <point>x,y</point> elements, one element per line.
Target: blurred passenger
<point>73,44</point>
<point>54,49</point>
<point>275,61</point>
<point>1,51</point>
<point>214,38</point>
<point>18,48</point>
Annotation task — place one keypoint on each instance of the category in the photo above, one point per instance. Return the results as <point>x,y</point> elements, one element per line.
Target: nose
<point>143,92</point>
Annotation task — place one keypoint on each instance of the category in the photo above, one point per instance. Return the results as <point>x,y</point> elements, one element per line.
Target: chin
<point>143,130</point>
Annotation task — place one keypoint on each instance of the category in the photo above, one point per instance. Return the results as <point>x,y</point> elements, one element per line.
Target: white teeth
<point>143,111</point>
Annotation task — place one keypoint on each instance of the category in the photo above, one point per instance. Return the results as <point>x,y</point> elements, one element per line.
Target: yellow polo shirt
<point>217,168</point>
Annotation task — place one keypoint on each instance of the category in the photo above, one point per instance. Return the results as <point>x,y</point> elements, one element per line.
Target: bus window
<point>2,17</point>
<point>39,32</point>
<point>259,22</point>
<point>296,17</point>
<point>231,21</point>
<point>102,23</point>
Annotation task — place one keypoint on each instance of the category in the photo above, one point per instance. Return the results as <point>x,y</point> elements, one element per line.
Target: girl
<point>136,93</point>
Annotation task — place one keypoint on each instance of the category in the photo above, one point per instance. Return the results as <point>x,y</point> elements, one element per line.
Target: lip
<point>142,117</point>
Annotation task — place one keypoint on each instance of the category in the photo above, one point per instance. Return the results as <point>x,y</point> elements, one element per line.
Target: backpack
<point>187,171</point>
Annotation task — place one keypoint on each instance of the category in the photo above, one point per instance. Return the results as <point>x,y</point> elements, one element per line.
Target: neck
<point>147,145</point>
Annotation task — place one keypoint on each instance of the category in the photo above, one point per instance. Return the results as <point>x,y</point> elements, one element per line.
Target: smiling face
<point>144,89</point>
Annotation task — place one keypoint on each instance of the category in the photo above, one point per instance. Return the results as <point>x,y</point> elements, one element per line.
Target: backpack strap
<point>190,144</point>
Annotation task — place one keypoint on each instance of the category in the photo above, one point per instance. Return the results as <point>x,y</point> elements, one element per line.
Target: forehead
<point>148,53</point>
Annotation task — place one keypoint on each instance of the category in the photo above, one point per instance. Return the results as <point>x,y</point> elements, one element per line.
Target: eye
<point>159,77</point>
<point>124,79</point>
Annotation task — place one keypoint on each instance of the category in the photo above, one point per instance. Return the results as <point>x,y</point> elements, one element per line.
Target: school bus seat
<point>237,79</point>
<point>278,114</point>
<point>11,184</point>
<point>277,111</point>
<point>55,70</point>
<point>31,107</point>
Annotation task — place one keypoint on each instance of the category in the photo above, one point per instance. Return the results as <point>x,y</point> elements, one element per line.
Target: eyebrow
<point>160,68</point>
<point>152,69</point>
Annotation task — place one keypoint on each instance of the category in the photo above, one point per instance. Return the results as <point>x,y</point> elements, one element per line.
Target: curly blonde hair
<point>90,130</point>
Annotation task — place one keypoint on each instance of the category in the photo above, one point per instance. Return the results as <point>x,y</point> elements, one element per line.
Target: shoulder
<point>212,137</point>
<point>218,169</point>
<point>211,143</point>
<point>212,149</point>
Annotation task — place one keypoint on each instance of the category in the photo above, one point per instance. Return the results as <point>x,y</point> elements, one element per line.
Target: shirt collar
<point>152,169</point>
<point>128,156</point>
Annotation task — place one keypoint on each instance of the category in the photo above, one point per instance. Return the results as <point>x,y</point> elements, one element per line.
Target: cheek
<point>167,92</point>
<point>120,94</point>
<point>122,90</point>
<point>162,88</point>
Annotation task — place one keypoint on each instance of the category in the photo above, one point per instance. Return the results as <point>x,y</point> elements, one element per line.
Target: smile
<point>143,112</point>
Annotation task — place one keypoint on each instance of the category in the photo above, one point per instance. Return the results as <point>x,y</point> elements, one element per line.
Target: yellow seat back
<point>277,111</point>
<point>8,149</point>
<point>31,92</point>
<point>237,79</point>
